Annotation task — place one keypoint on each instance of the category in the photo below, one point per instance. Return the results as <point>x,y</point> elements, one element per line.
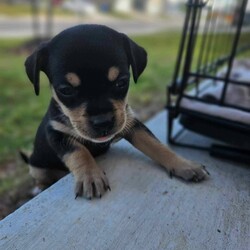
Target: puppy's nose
<point>103,122</point>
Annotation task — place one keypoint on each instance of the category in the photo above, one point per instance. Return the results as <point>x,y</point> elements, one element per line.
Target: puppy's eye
<point>121,84</point>
<point>67,91</point>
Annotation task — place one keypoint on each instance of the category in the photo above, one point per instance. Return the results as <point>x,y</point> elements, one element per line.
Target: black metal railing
<point>214,35</point>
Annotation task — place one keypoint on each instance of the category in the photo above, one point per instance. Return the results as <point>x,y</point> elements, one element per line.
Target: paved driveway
<point>22,27</point>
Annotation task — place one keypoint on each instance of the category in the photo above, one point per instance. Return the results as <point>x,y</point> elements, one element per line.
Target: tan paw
<point>190,171</point>
<point>92,183</point>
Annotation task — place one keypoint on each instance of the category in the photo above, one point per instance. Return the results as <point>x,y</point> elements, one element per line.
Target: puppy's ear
<point>35,63</point>
<point>137,56</point>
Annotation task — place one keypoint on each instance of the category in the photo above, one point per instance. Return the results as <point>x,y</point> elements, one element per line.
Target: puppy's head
<point>88,68</point>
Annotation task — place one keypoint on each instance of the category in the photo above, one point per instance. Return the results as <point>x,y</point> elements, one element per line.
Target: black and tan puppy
<point>88,69</point>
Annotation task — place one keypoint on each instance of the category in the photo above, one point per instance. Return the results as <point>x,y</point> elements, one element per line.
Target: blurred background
<point>154,24</point>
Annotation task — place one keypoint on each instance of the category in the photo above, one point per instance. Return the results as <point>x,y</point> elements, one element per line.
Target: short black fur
<point>89,51</point>
<point>88,67</point>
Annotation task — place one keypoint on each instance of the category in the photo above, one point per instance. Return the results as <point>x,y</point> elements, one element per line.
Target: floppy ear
<point>35,63</point>
<point>137,57</point>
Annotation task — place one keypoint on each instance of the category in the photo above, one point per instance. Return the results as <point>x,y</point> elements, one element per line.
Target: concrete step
<point>145,209</point>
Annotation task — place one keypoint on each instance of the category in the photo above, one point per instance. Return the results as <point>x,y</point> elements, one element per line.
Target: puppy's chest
<point>97,149</point>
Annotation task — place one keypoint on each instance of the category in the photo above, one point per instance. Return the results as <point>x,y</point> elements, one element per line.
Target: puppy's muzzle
<point>102,124</point>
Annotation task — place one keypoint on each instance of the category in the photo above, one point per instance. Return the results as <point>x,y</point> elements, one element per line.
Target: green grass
<point>15,9</point>
<point>162,50</point>
<point>19,10</point>
<point>21,111</point>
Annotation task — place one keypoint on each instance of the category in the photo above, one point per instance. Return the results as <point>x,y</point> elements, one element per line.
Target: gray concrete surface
<point>145,209</point>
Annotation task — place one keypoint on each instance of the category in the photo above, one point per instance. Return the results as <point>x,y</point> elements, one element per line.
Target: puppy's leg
<point>90,179</point>
<point>145,141</point>
<point>45,177</point>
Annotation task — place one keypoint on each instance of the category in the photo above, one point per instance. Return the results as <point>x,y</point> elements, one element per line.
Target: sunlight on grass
<point>162,50</point>
<point>24,9</point>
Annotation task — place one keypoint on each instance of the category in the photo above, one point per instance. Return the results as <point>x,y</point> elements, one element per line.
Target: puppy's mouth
<point>101,128</point>
<point>103,139</point>
<point>96,136</point>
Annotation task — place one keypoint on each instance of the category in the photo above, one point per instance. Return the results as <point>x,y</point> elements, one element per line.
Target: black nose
<point>103,123</point>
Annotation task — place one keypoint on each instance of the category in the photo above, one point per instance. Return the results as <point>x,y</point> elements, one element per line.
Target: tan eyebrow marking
<point>113,73</point>
<point>73,79</point>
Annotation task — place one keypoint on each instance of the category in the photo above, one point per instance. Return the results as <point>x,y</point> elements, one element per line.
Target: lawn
<point>21,111</point>
<point>20,10</point>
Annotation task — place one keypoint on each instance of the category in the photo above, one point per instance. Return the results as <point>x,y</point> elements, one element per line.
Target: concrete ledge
<point>145,209</point>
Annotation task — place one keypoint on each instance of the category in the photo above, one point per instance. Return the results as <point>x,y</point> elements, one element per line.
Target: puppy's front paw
<point>91,183</point>
<point>190,171</point>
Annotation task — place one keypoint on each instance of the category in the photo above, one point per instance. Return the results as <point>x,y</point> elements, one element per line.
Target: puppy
<point>88,67</point>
